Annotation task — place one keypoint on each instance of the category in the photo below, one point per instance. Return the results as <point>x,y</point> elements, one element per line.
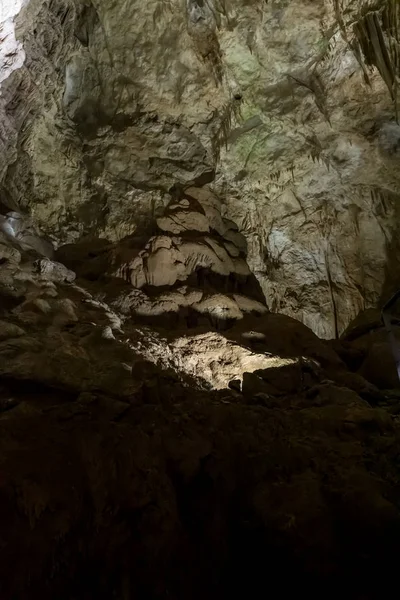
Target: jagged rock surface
<point>162,432</point>
<point>106,105</point>
<point>194,267</point>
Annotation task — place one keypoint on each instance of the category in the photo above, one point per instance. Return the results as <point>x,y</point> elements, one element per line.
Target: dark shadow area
<point>189,498</point>
<point>285,487</point>
<point>392,267</point>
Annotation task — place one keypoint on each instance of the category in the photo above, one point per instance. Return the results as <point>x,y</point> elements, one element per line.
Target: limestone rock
<point>190,276</point>
<point>54,271</point>
<point>124,447</point>
<point>9,330</point>
<point>173,177</point>
<point>107,106</point>
<point>289,456</point>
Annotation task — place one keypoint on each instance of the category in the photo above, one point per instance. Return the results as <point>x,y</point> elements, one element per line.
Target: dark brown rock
<point>194,495</point>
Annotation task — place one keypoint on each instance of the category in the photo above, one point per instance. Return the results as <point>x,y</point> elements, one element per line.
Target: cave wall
<point>164,167</point>
<point>105,106</point>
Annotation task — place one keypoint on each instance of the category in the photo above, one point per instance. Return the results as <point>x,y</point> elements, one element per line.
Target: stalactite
<point>376,40</point>
<point>229,113</point>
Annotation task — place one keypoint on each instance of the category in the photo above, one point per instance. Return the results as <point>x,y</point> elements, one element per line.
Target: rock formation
<point>190,192</point>
<point>142,461</point>
<point>107,105</point>
<point>194,266</point>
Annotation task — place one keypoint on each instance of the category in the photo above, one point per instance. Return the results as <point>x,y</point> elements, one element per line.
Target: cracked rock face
<point>106,106</point>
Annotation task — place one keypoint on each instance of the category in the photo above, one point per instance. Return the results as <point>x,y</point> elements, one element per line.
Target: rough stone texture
<point>367,348</point>
<point>194,268</point>
<point>162,432</point>
<point>197,503</point>
<point>107,105</point>
<point>129,469</point>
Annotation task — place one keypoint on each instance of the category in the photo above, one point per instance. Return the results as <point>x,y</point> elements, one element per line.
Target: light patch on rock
<point>10,330</point>
<point>12,55</point>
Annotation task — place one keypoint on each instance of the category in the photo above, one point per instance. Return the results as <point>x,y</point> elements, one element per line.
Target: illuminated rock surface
<point>193,196</point>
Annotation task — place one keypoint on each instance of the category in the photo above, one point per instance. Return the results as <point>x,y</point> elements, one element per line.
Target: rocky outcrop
<point>366,347</point>
<point>136,460</point>
<point>195,493</point>
<point>194,268</point>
